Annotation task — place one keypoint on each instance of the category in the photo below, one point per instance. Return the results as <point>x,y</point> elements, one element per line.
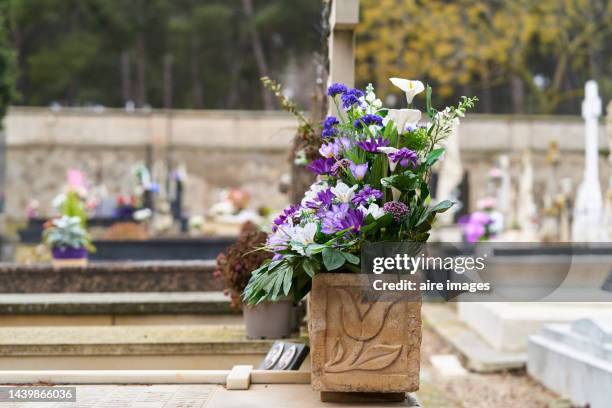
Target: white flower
<point>411,88</point>
<point>343,192</point>
<point>387,150</point>
<point>402,118</point>
<point>303,235</point>
<point>374,210</point>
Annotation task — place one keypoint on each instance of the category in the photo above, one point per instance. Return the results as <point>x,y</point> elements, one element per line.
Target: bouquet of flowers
<point>372,185</point>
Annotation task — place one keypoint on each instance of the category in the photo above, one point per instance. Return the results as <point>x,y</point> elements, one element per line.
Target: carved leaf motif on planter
<point>362,322</point>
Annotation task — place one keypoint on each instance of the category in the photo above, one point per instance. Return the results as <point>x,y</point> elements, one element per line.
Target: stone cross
<point>343,18</point>
<point>587,225</point>
<point>527,211</point>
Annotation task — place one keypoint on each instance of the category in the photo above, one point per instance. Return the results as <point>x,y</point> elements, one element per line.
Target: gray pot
<point>268,320</point>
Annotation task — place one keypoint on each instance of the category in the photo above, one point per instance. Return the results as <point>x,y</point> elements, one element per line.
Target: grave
<point>575,360</point>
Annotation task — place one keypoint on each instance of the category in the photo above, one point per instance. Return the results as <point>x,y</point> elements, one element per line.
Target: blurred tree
<point>7,65</point>
<point>537,54</point>
<point>180,53</point>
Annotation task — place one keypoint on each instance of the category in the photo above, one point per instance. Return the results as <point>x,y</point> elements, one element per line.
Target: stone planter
<point>69,257</point>
<point>269,320</point>
<point>362,346</point>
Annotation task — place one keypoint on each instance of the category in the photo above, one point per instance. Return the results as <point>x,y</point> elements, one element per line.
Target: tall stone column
<point>343,19</point>
<point>588,216</point>
<point>607,222</point>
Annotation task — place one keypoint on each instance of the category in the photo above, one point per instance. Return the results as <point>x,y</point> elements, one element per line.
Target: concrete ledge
<point>479,355</point>
<point>115,303</point>
<point>128,341</point>
<point>158,276</point>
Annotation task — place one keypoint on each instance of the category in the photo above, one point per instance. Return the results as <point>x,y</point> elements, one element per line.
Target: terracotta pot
<point>362,345</point>
<point>269,320</point>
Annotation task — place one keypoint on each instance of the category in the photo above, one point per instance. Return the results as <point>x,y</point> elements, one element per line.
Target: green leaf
<point>433,157</point>
<point>332,259</point>
<point>442,206</point>
<point>308,267</point>
<point>351,258</point>
<point>430,111</point>
<point>287,281</point>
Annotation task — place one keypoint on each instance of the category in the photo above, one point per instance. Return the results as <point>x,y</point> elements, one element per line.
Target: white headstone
<point>587,225</point>
<point>451,174</point>
<point>527,212</point>
<point>504,198</point>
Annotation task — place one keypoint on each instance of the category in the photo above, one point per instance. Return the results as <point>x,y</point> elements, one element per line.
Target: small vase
<point>69,257</point>
<point>362,346</point>
<point>269,320</point>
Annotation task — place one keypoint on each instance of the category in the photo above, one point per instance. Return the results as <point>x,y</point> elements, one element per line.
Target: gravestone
<point>607,218</point>
<point>587,226</point>
<point>450,175</point>
<point>575,360</point>
<point>526,207</point>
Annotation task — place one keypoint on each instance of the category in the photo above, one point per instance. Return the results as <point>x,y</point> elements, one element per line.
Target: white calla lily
<point>410,88</point>
<point>402,118</point>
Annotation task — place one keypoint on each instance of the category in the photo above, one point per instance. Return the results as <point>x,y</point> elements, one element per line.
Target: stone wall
<point>233,149</point>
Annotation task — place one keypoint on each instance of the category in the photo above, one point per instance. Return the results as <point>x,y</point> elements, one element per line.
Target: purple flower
<point>329,128</point>
<point>371,145</point>
<point>321,166</point>
<point>474,225</point>
<point>404,156</point>
<point>325,196</point>
<point>329,150</point>
<point>368,119</point>
<point>397,209</point>
<point>341,217</point>
<point>351,97</point>
<point>336,89</point>
<point>359,170</point>
<point>283,216</point>
<point>339,167</point>
<point>324,199</point>
<point>367,194</point>
<point>344,143</point>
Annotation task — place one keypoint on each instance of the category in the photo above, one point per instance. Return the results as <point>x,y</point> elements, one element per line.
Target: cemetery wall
<point>232,149</point>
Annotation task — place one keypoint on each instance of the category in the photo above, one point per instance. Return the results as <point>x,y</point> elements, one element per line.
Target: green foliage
<point>67,231</point>
<point>7,64</point>
<point>73,207</point>
<point>80,52</point>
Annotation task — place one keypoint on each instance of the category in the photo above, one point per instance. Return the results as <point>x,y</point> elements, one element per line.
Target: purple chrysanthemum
<point>368,119</point>
<point>336,89</point>
<point>404,157</point>
<point>371,145</point>
<point>341,217</point>
<point>351,97</point>
<point>323,200</point>
<point>365,195</point>
<point>283,216</point>
<point>397,209</point>
<point>321,166</point>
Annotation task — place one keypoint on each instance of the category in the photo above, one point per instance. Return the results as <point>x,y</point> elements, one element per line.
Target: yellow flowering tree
<point>529,46</point>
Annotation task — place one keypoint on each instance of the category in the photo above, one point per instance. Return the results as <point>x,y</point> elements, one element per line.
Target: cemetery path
<point>474,390</point>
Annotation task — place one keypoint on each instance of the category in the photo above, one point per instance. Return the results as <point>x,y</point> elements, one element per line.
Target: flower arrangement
<point>67,235</point>
<point>372,185</point>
